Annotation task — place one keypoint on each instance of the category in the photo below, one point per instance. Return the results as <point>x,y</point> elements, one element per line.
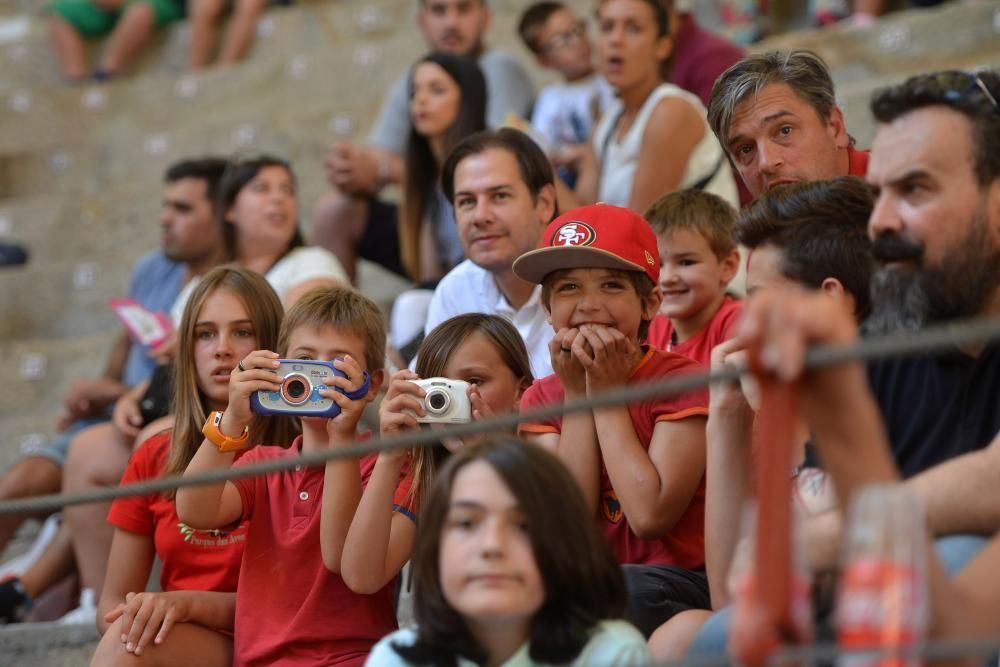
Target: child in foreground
<point>290,608</point>
<point>498,578</point>
<point>698,261</point>
<point>640,466</point>
<point>487,352</point>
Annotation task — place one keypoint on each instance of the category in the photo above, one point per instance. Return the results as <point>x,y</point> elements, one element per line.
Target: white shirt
<point>301,264</point>
<point>618,163</point>
<point>566,113</point>
<point>614,644</point>
<point>469,288</point>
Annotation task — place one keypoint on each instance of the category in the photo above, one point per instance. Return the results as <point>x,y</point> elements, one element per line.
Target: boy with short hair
<point>565,113</point>
<point>698,260</point>
<point>292,607</point>
<point>640,466</point>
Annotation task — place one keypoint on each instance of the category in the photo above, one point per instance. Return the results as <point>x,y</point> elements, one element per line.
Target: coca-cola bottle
<point>882,600</point>
<point>754,635</point>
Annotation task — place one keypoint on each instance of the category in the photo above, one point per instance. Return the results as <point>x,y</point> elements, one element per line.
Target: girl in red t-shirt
<point>487,352</point>
<point>231,312</point>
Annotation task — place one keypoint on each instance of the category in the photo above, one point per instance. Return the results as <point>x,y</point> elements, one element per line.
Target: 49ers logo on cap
<point>573,233</point>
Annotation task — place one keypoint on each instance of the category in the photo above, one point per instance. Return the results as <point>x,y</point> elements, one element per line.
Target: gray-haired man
<point>776,117</point>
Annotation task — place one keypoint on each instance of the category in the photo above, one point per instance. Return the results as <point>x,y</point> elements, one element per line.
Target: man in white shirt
<point>503,190</point>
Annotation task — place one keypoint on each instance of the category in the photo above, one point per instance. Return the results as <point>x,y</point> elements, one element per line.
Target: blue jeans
<point>954,551</point>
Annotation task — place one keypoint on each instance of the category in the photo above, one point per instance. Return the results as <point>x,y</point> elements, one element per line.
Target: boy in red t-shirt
<point>698,260</point>
<point>291,608</point>
<point>640,466</point>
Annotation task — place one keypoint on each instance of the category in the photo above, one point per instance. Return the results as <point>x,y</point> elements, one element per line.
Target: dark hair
<point>534,166</point>
<point>237,175</point>
<point>533,19</point>
<point>821,228</point>
<point>661,14</point>
<point>421,168</point>
<point>933,89</point>
<point>704,213</point>
<point>583,583</point>
<point>641,283</point>
<point>206,169</point>
<point>432,357</point>
<point>803,71</point>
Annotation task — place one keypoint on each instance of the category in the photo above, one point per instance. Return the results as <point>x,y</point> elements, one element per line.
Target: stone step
<point>65,300</point>
<point>29,427</point>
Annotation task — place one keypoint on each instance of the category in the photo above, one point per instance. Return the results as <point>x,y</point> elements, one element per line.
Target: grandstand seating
<point>80,167</point>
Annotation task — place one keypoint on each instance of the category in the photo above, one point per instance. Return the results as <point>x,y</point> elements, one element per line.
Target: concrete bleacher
<point>80,167</point>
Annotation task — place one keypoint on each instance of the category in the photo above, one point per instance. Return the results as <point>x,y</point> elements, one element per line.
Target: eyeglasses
<point>563,39</point>
<point>957,86</point>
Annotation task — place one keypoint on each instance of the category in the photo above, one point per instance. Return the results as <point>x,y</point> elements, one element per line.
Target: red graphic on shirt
<point>574,234</point>
<point>611,508</point>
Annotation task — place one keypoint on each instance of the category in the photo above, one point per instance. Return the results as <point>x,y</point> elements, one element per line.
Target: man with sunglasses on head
<point>350,222</point>
<point>935,228</point>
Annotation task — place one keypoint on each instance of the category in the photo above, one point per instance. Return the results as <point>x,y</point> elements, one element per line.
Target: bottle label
<point>881,604</point>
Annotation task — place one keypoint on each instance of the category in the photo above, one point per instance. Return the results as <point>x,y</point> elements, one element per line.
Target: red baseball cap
<point>594,236</point>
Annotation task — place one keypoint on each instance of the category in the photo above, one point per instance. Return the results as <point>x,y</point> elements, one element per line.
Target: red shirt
<point>700,57</point>
<point>698,347</point>
<point>857,162</point>
<point>685,544</point>
<point>197,560</point>
<point>290,609</point>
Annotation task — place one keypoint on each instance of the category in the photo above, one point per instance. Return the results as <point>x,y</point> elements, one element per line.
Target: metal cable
<point>937,340</point>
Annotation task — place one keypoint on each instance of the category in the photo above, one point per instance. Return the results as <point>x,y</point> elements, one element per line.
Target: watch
<point>215,436</point>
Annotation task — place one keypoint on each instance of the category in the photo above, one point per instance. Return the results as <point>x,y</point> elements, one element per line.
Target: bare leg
<point>185,644</point>
<point>55,563</point>
<point>97,458</point>
<point>132,32</point>
<point>671,640</point>
<point>240,31</point>
<point>338,223</point>
<point>68,46</point>
<point>203,17</point>
<point>33,476</point>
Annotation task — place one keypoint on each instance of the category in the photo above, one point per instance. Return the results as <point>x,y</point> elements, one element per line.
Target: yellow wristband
<point>215,436</point>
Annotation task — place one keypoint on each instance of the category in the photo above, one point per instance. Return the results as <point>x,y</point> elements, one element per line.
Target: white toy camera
<point>446,401</point>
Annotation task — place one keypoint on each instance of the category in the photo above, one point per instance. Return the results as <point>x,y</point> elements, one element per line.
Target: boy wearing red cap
<point>640,466</point>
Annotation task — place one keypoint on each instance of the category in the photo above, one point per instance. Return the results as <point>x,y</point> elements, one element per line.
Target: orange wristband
<point>215,436</point>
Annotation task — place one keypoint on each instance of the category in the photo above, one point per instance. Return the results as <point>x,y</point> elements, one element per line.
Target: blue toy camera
<point>300,386</point>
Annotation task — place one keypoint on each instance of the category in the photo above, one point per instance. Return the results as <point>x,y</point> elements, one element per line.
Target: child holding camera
<point>478,365</point>
<point>641,466</point>
<point>499,580</point>
<point>289,607</point>
<point>231,312</point>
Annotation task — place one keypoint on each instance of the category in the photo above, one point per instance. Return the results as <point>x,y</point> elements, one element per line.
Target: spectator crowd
<point>671,205</point>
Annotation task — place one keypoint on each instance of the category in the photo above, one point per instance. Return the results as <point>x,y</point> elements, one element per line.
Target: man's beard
<point>909,298</point>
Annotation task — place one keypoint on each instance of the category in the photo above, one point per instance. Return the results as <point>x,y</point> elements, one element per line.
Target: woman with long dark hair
<point>447,103</point>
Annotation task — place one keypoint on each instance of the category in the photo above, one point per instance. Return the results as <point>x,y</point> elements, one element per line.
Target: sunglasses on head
<point>960,86</point>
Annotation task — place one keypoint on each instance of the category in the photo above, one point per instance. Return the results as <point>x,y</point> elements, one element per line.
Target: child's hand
<point>343,428</point>
<point>728,396</point>
<point>148,617</point>
<point>566,351</point>
<point>402,398</point>
<point>257,375</point>
<point>480,411</point>
<point>614,357</point>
